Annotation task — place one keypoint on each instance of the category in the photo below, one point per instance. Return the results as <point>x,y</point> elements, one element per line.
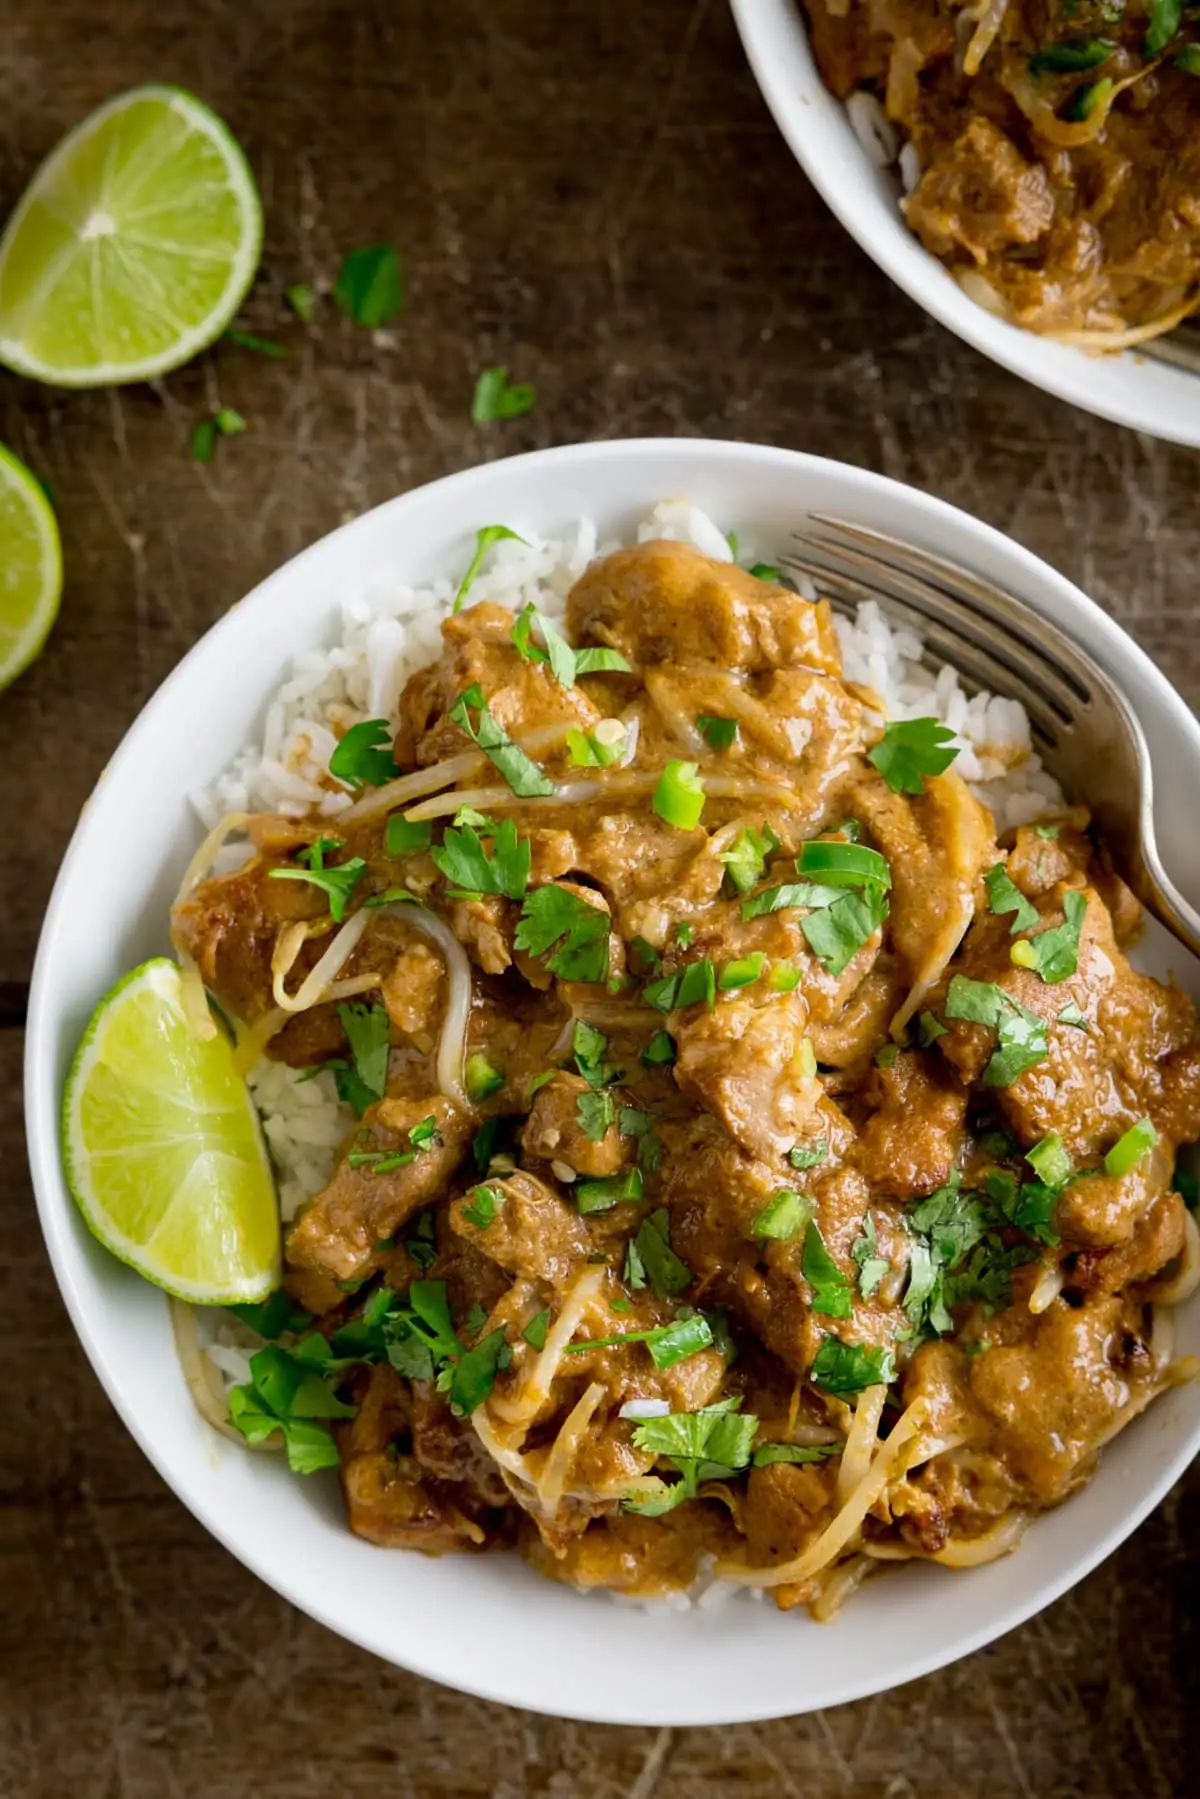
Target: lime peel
<point>133,246</point>
<point>163,1151</point>
<point>31,567</point>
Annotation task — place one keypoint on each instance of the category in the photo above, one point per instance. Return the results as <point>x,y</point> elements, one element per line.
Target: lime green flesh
<point>162,1147</point>
<point>30,567</point>
<point>133,247</point>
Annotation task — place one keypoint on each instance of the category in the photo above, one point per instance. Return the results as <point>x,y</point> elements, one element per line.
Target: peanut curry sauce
<point>809,1182</point>
<point>1058,143</point>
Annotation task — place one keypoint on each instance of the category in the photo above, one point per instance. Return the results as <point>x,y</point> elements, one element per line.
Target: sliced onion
<point>206,855</point>
<point>973,1552</point>
<point>452,1046</point>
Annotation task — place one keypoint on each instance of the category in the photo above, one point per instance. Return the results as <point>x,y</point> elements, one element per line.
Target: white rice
<point>388,631</point>
<point>881,139</point>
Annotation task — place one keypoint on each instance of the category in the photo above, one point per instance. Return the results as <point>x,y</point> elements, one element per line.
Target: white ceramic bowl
<point>1131,389</point>
<point>488,1624</point>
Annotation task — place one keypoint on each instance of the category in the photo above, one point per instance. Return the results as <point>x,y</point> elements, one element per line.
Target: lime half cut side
<point>30,567</point>
<point>133,246</point>
<point>162,1147</point>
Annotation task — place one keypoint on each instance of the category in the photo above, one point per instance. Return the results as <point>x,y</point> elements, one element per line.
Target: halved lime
<point>133,246</point>
<point>30,567</point>
<point>162,1147</point>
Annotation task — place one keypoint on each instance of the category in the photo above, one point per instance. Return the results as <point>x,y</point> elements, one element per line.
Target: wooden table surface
<point>594,194</point>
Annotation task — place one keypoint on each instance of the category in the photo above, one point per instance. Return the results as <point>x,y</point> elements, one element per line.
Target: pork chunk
<point>338,1232</point>
<point>917,1128</point>
<point>554,1130</point>
<point>979,196</point>
<point>665,602</point>
<point>751,1065</point>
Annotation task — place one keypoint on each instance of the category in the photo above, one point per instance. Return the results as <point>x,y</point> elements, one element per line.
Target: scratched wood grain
<point>594,195</point>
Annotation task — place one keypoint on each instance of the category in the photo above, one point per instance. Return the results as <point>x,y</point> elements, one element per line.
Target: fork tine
<point>1174,350</point>
<point>963,653</point>
<point>1048,662</point>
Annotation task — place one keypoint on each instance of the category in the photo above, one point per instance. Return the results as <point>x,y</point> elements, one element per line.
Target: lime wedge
<point>30,567</point>
<point>162,1147</point>
<point>133,246</point>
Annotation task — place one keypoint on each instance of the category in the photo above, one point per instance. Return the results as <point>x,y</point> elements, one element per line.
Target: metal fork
<point>1082,723</point>
<point>1181,348</point>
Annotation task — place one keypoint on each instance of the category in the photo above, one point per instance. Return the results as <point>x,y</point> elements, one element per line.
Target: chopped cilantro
<point>596,1113</point>
<point>684,934</point>
<point>929,1029</point>
<point>1072,57</point>
<point>370,288</point>
<point>405,837</point>
<point>271,1316</point>
<point>694,985</point>
<point>1071,1015</point>
<point>910,749</point>
<point>360,760</point>
<point>470,871</point>
<point>650,1260</point>
<point>1166,17</point>
<point>848,1368</point>
<point>667,1343</point>
<point>496,397</point>
<point>536,1330</point>
<point>871,1265</point>
<point>475,1372</point>
<point>768,1454</point>
<point>660,1050</point>
<point>566,664</point>
<point>640,1126</point>
<point>301,298</point>
<point>421,1247</point>
<point>339,883</point>
<point>718,733</point>
<point>838,931</point>
<point>1005,896</point>
<point>555,916</point>
<point>485,1203</point>
<point>366,1029</point>
<point>524,776</point>
<point>485,537</point>
<point>1021,1035</point>
<point>830,1289</point>
<point>711,1444</point>
<point>794,893</point>
<point>1055,953</point>
<point>1048,831</point>
<point>766,571</point>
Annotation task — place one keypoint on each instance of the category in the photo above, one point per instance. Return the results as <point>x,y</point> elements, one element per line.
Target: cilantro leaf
<point>1022,1040</point>
<point>667,1343</point>
<point>485,537</point>
<point>1005,896</point>
<point>837,932</point>
<point>537,1330</point>
<point>910,749</point>
<point>707,1445</point>
<point>694,985</point>
<point>650,1260</point>
<point>469,869</point>
<point>1055,953</point>
<point>366,1028</point>
<point>370,288</point>
<point>339,883</point>
<point>498,398</point>
<point>770,1453</point>
<point>566,664</point>
<point>640,1126</point>
<point>524,776</point>
<point>1166,17</point>
<point>309,1446</point>
<point>660,1051</point>
<point>793,893</point>
<point>588,1046</point>
<point>481,1078</point>
<point>360,760</point>
<point>553,915</point>
<point>830,1289</point>
<point>718,733</point>
<point>475,1372</point>
<point>929,1029</point>
<point>596,1113</point>
<point>871,1265</point>
<point>1071,1014</point>
<point>405,836</point>
<point>485,1203</point>
<point>746,856</point>
<point>271,1316</point>
<point>848,1368</point>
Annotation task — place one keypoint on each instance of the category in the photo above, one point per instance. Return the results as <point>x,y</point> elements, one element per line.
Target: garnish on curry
<point>755,1161</point>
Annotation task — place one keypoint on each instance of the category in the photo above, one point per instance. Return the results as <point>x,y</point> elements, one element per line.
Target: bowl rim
<point>57,1214</point>
<point>775,38</point>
